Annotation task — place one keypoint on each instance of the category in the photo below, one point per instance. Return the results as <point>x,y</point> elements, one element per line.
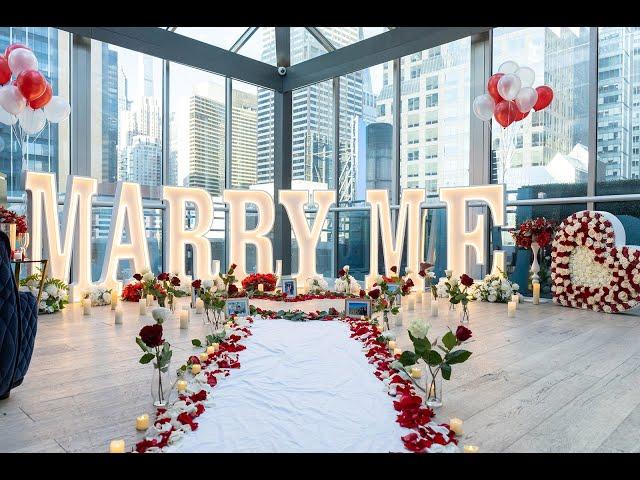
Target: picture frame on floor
<point>236,306</point>
<point>289,286</point>
<point>357,307</point>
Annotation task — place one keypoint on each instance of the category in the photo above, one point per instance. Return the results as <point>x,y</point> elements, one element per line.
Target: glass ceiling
<point>261,44</point>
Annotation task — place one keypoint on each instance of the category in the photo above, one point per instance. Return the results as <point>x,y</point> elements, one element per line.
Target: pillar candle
<point>455,424</point>
<point>516,298</point>
<point>149,300</point>
<point>184,319</point>
<point>196,368</point>
<point>86,306</point>
<point>511,309</point>
<point>142,304</point>
<point>398,321</point>
<point>426,298</point>
<point>114,300</point>
<point>536,293</point>
<point>142,422</point>
<point>116,446</point>
<point>199,305</point>
<point>470,449</point>
<point>434,309</point>
<point>411,303</point>
<point>261,287</point>
<point>119,315</point>
<point>418,298</point>
<point>181,386</point>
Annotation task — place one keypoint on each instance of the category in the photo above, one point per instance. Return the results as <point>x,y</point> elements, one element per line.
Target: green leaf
<point>196,342</point>
<point>446,371</point>
<point>420,345</point>
<point>408,358</point>
<point>141,344</point>
<point>432,357</point>
<point>457,356</point>
<point>146,358</point>
<point>449,340</point>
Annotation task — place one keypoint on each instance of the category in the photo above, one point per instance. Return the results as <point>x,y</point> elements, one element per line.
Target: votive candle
<point>516,298</point>
<point>203,357</point>
<point>142,422</point>
<point>470,449</point>
<point>196,368</point>
<point>455,424</point>
<point>86,306</point>
<point>199,305</point>
<point>511,309</point>
<point>536,293</point>
<point>184,319</point>
<point>181,386</point>
<point>142,304</point>
<point>211,349</point>
<point>434,309</point>
<point>118,315</point>
<point>415,372</point>
<point>116,446</point>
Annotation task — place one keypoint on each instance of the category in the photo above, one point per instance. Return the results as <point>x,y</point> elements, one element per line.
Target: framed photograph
<point>357,307</point>
<point>236,306</point>
<point>289,287</point>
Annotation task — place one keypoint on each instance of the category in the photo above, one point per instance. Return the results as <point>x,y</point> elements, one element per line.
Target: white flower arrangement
<point>495,288</point>
<point>54,292</point>
<point>316,284</point>
<point>441,288</point>
<point>160,314</point>
<point>352,287</point>
<point>99,296</point>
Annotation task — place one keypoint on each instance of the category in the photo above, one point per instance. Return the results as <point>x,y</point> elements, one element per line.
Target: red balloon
<point>12,47</point>
<point>492,87</point>
<point>31,84</point>
<point>545,95</point>
<point>520,115</point>
<point>5,71</point>
<point>505,113</point>
<point>43,99</point>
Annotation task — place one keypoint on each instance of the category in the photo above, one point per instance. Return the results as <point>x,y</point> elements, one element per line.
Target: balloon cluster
<point>511,95</point>
<point>28,100</point>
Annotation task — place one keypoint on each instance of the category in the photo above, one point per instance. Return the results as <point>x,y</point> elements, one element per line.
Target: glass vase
<point>385,320</point>
<point>464,314</point>
<point>161,385</point>
<point>433,389</point>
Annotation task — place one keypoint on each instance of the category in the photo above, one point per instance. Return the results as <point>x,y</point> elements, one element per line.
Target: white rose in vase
<point>418,328</point>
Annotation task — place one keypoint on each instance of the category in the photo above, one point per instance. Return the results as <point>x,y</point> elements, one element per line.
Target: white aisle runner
<point>302,387</point>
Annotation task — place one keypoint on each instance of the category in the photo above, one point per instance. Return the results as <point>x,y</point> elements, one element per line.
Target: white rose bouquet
<point>317,284</point>
<point>54,292</point>
<point>495,288</point>
<point>99,296</point>
<point>345,283</point>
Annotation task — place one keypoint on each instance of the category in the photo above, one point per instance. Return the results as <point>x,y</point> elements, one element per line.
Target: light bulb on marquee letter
<point>240,237</point>
<point>307,239</point>
<point>177,237</point>
<point>127,204</point>
<point>43,206</point>
<point>409,212</point>
<point>456,199</point>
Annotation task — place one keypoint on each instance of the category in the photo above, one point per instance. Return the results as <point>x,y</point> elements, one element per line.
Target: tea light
<point>116,446</point>
<point>119,315</point>
<point>411,303</point>
<point>184,319</point>
<point>415,372</point>
<point>434,309</point>
<point>196,368</point>
<point>203,357</point>
<point>397,351</point>
<point>149,300</point>
<point>261,287</point>
<point>142,304</point>
<point>470,449</point>
<point>181,386</point>
<point>536,294</point>
<point>455,424</point>
<point>142,422</point>
<point>511,309</point>
<point>392,345</point>
<point>86,306</point>
<point>199,305</point>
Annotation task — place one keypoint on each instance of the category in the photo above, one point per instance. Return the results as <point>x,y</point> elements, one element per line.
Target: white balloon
<point>508,67</point>
<point>57,109</point>
<point>526,99</point>
<point>527,76</point>
<point>7,118</point>
<point>22,59</point>
<point>483,106</point>
<point>11,99</point>
<point>509,86</point>
<point>32,121</point>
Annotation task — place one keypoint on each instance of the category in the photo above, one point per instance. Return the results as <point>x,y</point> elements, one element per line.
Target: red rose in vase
<point>463,333</point>
<point>151,335</point>
<point>466,280</point>
<point>196,283</point>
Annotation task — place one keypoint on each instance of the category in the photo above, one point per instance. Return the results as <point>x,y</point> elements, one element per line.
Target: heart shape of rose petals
<point>591,267</point>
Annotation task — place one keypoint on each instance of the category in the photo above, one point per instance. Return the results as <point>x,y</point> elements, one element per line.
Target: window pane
<point>629,215</point>
<point>618,166</point>
<point>223,37</point>
<point>343,36</point>
<point>434,135</point>
<point>304,46</point>
<point>49,151</point>
<point>261,46</point>
<point>549,153</point>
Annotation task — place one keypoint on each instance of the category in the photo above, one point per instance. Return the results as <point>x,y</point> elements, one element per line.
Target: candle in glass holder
<point>203,357</point>
<point>184,319</point>
<point>199,305</point>
<point>86,306</point>
<point>415,372</point>
<point>455,424</point>
<point>118,315</point>
<point>196,368</point>
<point>261,287</point>
<point>181,386</point>
<point>142,422</point>
<point>511,309</point>
<point>116,446</point>
<point>392,345</point>
<point>411,303</point>
<point>434,309</point>
<point>149,300</point>
<point>536,294</point>
<point>397,351</point>
<point>470,449</point>
<point>142,304</point>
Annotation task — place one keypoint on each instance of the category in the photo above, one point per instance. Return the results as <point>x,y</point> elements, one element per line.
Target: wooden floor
<point>550,380</point>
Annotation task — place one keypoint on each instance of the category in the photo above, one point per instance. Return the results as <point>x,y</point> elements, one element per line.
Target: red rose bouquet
<point>538,230</point>
<point>9,216</point>
<point>268,280</point>
<point>132,292</point>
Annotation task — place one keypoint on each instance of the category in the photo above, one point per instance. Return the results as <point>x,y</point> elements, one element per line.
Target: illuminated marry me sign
<point>62,241</point>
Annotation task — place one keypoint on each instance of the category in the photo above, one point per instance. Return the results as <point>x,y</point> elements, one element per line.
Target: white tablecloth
<point>302,387</point>
<point>306,306</point>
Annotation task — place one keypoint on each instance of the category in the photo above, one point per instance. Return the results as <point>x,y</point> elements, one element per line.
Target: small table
<point>43,271</point>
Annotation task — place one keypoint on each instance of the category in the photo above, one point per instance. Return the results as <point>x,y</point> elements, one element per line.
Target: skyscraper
<point>244,117</point>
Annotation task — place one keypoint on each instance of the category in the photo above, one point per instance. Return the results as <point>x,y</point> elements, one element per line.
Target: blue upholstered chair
<point>18,325</point>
